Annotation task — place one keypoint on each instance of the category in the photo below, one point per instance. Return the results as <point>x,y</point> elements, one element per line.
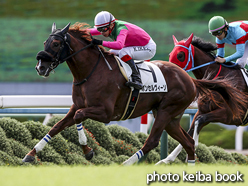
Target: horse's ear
<point>175,40</point>
<point>189,40</point>
<point>53,27</point>
<point>66,28</point>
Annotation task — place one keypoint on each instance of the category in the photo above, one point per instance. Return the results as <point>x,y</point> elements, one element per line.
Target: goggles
<point>103,29</point>
<point>217,33</point>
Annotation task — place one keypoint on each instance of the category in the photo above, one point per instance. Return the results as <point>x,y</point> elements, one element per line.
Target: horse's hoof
<point>28,159</point>
<point>162,162</point>
<point>90,155</point>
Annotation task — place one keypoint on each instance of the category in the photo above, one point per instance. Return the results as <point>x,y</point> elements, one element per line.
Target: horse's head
<point>183,52</point>
<point>56,49</point>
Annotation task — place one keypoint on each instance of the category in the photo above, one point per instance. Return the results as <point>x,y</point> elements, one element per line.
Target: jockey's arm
<point>94,32</point>
<point>119,43</point>
<point>240,48</point>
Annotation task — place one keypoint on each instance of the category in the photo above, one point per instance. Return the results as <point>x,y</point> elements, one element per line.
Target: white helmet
<point>104,18</point>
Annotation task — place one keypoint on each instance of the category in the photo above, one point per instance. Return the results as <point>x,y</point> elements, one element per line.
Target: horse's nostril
<point>42,68</point>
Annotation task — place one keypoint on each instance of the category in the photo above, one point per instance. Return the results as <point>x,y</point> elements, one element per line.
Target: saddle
<point>151,77</point>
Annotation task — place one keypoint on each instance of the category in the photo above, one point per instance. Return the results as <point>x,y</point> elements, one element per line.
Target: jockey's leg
<point>129,54</point>
<point>136,80</point>
<point>244,59</point>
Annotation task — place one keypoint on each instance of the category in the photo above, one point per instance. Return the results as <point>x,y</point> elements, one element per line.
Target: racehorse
<point>198,56</point>
<point>100,94</point>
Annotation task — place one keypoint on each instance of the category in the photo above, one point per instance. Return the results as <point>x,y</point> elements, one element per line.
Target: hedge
<point>125,134</point>
<point>112,144</point>
<point>101,134</point>
<point>220,154</point>
<point>16,130</point>
<point>4,143</point>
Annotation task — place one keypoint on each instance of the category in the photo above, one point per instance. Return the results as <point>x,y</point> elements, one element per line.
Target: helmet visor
<point>217,33</point>
<point>103,29</point>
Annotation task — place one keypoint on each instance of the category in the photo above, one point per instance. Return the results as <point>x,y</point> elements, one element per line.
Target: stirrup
<point>134,85</point>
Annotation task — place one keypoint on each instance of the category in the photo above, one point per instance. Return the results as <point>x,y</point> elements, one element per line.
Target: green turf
<point>110,175</point>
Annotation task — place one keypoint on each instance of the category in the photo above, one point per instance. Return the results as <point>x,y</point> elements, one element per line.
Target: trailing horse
<point>196,55</point>
<point>99,91</point>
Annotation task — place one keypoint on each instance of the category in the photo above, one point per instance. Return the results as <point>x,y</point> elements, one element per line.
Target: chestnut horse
<point>198,56</point>
<point>100,93</point>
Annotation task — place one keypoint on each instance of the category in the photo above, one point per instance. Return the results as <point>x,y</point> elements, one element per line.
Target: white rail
<point>35,101</point>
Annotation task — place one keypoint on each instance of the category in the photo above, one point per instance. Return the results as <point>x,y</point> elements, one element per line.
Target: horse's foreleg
<point>89,153</point>
<point>98,113</point>
<point>67,121</point>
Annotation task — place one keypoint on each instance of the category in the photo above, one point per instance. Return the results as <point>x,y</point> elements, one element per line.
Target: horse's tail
<point>236,99</point>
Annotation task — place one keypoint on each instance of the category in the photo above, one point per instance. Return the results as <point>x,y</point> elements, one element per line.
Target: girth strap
<point>131,104</point>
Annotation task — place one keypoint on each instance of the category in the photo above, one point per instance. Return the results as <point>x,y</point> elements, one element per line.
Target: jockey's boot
<point>136,80</point>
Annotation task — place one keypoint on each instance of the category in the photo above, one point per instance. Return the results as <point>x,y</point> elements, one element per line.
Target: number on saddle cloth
<point>151,76</point>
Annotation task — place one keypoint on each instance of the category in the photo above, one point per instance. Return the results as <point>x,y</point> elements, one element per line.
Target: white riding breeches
<point>244,59</point>
<point>137,52</point>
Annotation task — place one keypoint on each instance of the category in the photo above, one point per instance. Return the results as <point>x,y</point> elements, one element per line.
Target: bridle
<point>190,56</point>
<point>65,45</point>
<point>65,42</point>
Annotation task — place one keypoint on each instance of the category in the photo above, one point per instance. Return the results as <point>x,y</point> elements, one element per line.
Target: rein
<point>57,61</point>
<point>89,45</point>
<point>200,66</point>
<point>86,79</point>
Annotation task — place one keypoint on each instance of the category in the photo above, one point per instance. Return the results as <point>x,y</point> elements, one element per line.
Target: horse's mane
<point>79,30</point>
<point>205,46</point>
<point>208,47</point>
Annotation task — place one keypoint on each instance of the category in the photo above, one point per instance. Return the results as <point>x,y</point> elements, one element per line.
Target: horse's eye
<point>181,56</point>
<point>55,44</point>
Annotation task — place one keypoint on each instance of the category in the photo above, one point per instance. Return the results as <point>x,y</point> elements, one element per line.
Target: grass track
<point>109,175</point>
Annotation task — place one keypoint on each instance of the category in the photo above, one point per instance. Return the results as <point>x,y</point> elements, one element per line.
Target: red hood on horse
<point>194,54</point>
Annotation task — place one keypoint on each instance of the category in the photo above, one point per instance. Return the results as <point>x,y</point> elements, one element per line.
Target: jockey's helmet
<point>216,24</point>
<point>103,19</point>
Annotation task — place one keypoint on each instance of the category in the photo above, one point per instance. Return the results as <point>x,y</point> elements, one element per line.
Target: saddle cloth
<point>245,75</point>
<point>151,76</point>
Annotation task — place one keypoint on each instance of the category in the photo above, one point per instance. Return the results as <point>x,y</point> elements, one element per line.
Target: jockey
<point>235,33</point>
<point>130,42</point>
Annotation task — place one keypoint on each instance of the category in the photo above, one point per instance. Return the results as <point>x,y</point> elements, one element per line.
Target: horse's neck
<point>90,62</point>
<point>201,58</point>
<point>83,62</point>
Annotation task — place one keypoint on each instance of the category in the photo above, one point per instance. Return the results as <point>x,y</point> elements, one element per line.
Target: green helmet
<point>216,23</point>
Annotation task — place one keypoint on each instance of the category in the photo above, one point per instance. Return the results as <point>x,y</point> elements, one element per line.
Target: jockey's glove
<point>96,42</point>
